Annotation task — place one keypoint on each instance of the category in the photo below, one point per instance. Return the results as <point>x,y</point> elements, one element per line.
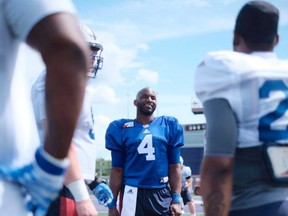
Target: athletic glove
<point>101,191</point>
<point>103,194</point>
<point>41,180</point>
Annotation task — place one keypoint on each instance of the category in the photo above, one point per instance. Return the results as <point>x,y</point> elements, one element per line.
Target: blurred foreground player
<point>74,198</point>
<point>244,94</point>
<point>45,26</point>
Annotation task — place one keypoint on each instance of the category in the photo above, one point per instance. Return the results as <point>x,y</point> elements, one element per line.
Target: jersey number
<point>265,131</point>
<point>146,147</point>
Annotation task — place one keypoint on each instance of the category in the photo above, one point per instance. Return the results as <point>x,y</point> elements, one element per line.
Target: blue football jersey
<point>145,148</point>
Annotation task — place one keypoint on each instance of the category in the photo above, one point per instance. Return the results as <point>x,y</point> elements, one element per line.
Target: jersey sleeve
<point>113,137</point>
<point>213,77</point>
<point>22,15</point>
<point>176,139</point>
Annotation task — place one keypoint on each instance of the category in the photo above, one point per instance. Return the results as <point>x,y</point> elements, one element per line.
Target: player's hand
<point>175,209</point>
<point>86,208</point>
<point>41,181</point>
<point>103,194</point>
<point>113,212</point>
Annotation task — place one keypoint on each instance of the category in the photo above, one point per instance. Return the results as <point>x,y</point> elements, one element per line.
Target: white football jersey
<point>84,133</point>
<point>84,140</point>
<point>256,87</point>
<point>17,18</point>
<point>185,173</point>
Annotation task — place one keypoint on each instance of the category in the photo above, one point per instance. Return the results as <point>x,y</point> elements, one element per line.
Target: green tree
<point>103,168</point>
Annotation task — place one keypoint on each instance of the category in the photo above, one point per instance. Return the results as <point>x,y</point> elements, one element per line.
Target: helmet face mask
<point>96,50</point>
<point>97,60</point>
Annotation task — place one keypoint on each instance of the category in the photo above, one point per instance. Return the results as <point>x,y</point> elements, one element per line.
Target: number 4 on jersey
<point>146,147</point>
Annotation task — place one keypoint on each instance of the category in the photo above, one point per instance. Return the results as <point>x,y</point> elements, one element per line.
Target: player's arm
<point>175,180</point>
<point>75,183</point>
<point>113,143</point>
<point>115,184</point>
<point>173,154</point>
<point>175,184</point>
<point>65,54</point>
<point>116,179</point>
<point>217,166</point>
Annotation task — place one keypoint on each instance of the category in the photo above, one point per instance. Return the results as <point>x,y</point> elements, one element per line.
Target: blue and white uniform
<point>146,152</point>
<point>83,138</point>
<point>256,88</point>
<point>17,18</point>
<point>146,149</point>
<point>186,174</point>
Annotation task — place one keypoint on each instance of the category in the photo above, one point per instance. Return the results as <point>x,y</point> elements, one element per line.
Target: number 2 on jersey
<point>146,147</point>
<point>265,131</point>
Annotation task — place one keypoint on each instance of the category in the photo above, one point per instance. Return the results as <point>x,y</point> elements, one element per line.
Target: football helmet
<point>96,48</point>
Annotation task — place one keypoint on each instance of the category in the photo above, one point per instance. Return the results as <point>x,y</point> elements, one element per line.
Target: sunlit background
<point>156,43</point>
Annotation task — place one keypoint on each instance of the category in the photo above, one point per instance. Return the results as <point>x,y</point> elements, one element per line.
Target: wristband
<point>112,204</point>
<point>78,190</point>
<point>50,164</point>
<point>93,184</point>
<point>176,198</point>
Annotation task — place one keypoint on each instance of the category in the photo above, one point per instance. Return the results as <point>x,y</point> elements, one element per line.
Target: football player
<point>145,159</point>
<point>244,93</point>
<point>45,26</point>
<point>74,196</point>
<point>186,182</point>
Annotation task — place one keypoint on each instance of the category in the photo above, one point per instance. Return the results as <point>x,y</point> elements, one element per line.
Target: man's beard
<point>146,112</point>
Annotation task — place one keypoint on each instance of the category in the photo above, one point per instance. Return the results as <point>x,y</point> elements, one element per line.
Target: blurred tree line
<point>103,168</point>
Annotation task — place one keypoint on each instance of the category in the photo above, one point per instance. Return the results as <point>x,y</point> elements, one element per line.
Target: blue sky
<point>158,43</point>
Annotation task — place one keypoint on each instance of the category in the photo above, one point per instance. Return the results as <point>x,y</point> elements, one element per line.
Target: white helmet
<point>97,49</point>
<point>181,160</point>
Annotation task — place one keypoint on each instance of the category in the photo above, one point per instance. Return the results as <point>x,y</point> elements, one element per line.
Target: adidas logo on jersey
<point>130,191</point>
<point>164,180</point>
<point>128,124</point>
